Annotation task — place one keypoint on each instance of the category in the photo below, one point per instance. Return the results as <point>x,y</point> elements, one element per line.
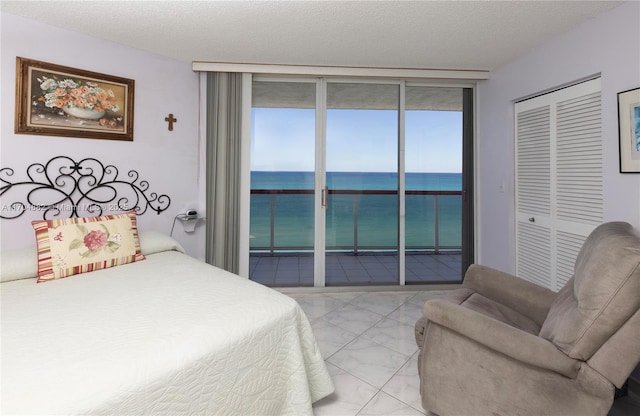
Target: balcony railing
<point>434,226</point>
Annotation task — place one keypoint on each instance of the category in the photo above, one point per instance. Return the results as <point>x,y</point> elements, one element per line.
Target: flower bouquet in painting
<point>80,99</point>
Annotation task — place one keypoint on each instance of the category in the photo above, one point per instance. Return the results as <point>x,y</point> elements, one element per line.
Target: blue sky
<point>357,140</point>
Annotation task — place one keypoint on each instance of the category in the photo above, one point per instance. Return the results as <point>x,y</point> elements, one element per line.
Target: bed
<point>168,334</point>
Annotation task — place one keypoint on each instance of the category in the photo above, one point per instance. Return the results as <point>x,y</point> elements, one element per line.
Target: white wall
<point>609,45</point>
<point>168,160</point>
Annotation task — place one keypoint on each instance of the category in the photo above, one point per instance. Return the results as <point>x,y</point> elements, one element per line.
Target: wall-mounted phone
<point>189,219</point>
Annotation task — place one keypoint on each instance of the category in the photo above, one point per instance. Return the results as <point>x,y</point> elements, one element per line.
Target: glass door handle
<point>325,198</point>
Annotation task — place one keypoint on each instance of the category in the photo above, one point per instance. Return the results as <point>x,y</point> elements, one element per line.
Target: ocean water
<point>357,180</point>
<point>369,222</point>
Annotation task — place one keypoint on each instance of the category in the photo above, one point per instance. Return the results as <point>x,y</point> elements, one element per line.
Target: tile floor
<point>367,339</point>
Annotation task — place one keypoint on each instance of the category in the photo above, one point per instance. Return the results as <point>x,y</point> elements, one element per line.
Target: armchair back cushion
<point>602,295</point>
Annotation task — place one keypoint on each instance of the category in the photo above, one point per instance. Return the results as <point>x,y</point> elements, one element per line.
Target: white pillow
<point>18,264</point>
<point>155,242</point>
<point>23,263</point>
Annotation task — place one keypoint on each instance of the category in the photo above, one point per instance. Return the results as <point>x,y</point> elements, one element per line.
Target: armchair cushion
<point>499,336</point>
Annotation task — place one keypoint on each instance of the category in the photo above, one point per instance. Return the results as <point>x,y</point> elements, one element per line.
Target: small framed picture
<point>55,100</point>
<point>629,130</point>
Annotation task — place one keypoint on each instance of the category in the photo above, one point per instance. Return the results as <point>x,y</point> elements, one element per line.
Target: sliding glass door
<point>361,237</point>
<point>282,198</point>
<point>359,182</point>
<point>433,177</point>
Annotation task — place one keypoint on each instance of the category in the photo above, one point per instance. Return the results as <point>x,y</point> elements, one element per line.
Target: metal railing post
<point>436,225</point>
<point>273,226</point>
<point>355,224</point>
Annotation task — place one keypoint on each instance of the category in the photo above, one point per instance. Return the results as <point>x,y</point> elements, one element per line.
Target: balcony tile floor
<point>351,270</point>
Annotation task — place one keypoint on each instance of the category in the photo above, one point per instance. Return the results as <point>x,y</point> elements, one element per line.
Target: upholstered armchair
<point>503,346</point>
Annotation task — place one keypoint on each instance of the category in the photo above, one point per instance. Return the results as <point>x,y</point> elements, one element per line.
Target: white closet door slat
<point>533,249</point>
<point>579,175</point>
<point>533,158</point>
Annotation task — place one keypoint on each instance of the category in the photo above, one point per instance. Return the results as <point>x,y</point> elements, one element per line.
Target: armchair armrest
<point>520,295</point>
<point>510,341</point>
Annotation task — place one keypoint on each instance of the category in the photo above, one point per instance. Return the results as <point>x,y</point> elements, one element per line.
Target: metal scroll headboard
<point>63,187</point>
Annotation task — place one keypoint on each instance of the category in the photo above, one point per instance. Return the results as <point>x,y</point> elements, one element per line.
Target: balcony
<point>361,237</point>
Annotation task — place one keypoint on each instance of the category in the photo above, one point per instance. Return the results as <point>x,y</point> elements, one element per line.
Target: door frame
<point>319,249</point>
<point>321,174</point>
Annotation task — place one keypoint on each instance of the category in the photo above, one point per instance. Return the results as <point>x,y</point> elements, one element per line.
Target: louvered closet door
<point>558,180</point>
<point>534,194</point>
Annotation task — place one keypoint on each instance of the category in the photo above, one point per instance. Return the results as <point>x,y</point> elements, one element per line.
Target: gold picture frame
<point>629,130</point>
<point>56,100</point>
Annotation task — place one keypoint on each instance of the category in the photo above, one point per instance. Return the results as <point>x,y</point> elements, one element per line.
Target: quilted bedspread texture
<point>167,335</point>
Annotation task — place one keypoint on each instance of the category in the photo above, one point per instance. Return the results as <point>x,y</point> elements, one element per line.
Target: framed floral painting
<point>629,130</point>
<point>56,100</point>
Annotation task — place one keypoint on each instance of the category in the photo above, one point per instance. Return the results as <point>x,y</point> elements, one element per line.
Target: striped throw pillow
<point>71,246</point>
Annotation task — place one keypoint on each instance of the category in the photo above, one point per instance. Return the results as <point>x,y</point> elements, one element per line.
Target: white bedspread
<point>166,335</point>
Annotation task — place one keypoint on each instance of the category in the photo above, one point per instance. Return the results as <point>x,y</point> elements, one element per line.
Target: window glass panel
<point>433,182</point>
<point>282,183</point>
<point>362,177</point>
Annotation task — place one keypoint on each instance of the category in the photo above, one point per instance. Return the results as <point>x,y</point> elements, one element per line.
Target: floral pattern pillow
<point>70,246</point>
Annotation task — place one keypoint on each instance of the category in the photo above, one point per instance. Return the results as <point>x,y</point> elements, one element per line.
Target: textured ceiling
<point>478,35</point>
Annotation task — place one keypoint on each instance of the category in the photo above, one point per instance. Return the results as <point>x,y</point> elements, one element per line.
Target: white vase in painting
<point>83,112</point>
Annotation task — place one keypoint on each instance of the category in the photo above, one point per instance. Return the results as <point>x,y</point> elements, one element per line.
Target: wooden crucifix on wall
<point>170,119</point>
